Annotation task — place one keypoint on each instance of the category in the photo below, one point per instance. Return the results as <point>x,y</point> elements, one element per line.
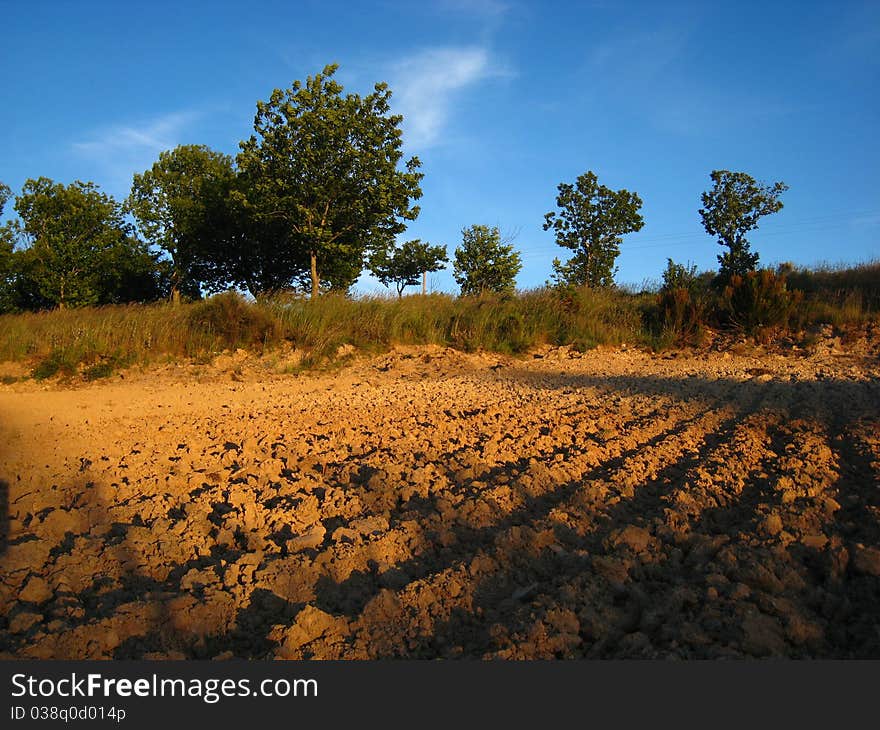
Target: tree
<point>75,239</point>
<point>179,205</point>
<point>5,194</point>
<point>732,209</point>
<point>484,263</point>
<point>591,221</point>
<point>254,253</point>
<point>327,166</point>
<point>404,266</point>
<point>7,248</point>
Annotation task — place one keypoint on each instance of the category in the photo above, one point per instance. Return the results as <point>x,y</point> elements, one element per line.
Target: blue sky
<point>502,100</point>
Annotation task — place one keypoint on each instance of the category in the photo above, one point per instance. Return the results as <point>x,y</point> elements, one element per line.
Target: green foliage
<point>483,263</point>
<point>730,210</point>
<point>591,222</point>
<point>124,335</point>
<point>180,205</point>
<point>106,365</point>
<point>495,323</point>
<point>838,295</point>
<point>836,284</point>
<point>679,276</point>
<point>326,167</point>
<point>78,249</point>
<point>109,337</point>
<point>407,265</point>
<point>99,370</point>
<point>232,322</point>
<point>5,194</point>
<point>55,363</point>
<point>261,253</point>
<point>683,306</point>
<point>682,317</point>
<point>7,248</point>
<point>759,302</point>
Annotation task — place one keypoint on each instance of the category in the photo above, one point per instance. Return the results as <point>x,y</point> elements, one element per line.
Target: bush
<point>55,363</point>
<point>98,371</point>
<point>678,276</point>
<point>233,322</point>
<point>682,316</point>
<point>758,303</point>
<point>682,306</point>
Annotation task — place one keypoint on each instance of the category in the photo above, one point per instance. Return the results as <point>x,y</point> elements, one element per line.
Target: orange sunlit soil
<point>429,503</point>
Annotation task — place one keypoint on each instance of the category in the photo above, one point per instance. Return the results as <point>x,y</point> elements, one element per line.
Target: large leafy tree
<point>591,222</point>
<point>406,265</point>
<point>180,205</point>
<point>327,167</point>
<point>484,263</point>
<point>7,246</point>
<point>730,210</point>
<point>76,240</point>
<point>255,252</point>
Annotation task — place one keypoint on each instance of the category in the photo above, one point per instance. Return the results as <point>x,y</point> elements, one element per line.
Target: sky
<point>502,100</point>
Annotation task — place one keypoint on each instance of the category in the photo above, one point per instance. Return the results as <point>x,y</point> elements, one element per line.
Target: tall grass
<point>98,340</point>
<point>144,333</point>
<point>836,295</point>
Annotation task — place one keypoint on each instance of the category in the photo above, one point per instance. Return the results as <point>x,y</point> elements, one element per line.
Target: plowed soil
<point>428,503</point>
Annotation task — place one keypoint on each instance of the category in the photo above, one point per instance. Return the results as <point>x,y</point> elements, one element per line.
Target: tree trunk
<point>424,283</point>
<point>316,282</point>
<point>175,295</point>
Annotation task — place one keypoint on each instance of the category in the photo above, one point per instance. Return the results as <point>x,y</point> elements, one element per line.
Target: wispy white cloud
<point>116,152</point>
<point>153,136</point>
<point>427,83</point>
<point>638,56</point>
<point>647,71</point>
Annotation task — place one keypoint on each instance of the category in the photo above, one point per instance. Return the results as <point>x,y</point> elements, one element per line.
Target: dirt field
<point>428,503</point>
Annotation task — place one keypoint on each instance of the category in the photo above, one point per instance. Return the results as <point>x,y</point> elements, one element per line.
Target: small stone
<point>22,622</point>
<point>816,542</point>
<point>802,632</point>
<point>59,522</point>
<point>311,538</point>
<point>310,623</point>
<point>635,537</point>
<point>345,534</point>
<point>772,525</point>
<point>866,560</point>
<point>370,525</point>
<point>763,636</point>
<point>831,506</point>
<point>37,590</point>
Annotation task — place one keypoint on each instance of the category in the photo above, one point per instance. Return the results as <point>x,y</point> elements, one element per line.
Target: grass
<point>839,295</point>
<point>95,342</point>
